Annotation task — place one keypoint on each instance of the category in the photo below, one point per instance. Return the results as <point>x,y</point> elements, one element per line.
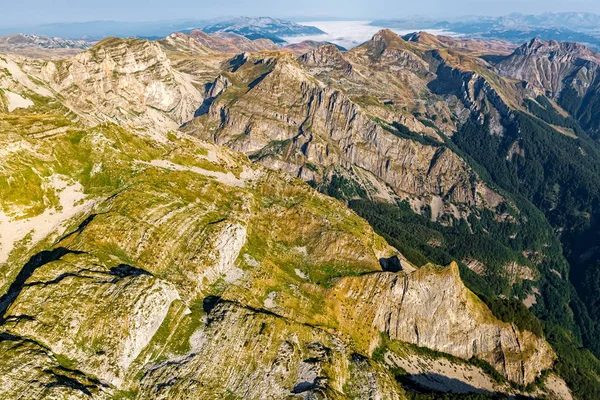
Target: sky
<point>31,12</point>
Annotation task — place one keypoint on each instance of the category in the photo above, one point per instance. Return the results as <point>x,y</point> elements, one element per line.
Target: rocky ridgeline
<point>548,64</point>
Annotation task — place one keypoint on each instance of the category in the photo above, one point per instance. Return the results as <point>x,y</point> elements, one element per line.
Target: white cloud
<point>350,34</point>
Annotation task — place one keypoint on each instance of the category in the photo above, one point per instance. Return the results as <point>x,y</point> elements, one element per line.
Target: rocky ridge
<point>565,72</point>
<point>548,64</point>
<point>306,46</point>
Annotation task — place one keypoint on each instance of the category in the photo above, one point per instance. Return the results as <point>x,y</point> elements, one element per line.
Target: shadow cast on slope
<point>36,261</point>
<point>204,107</point>
<point>391,264</point>
<point>436,386</point>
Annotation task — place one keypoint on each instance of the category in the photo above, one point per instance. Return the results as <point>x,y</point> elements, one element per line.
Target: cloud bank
<point>349,34</point>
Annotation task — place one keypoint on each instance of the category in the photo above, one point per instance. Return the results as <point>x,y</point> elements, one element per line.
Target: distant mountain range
<point>516,28</point>
<point>41,46</point>
<point>262,28</point>
<point>571,26</point>
<point>22,40</point>
<point>252,28</point>
<point>97,30</point>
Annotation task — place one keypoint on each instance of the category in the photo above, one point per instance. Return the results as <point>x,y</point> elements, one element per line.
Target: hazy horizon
<point>39,12</point>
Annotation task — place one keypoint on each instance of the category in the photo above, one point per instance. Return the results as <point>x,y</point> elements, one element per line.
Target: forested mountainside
<point>157,242</point>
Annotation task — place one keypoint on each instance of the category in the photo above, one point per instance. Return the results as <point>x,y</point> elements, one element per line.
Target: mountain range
<point>253,28</point>
<point>214,216</point>
<point>515,27</point>
<point>267,28</point>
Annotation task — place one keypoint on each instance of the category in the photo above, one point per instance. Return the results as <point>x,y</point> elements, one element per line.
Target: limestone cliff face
<point>432,308</point>
<point>546,64</point>
<point>124,81</point>
<point>483,101</point>
<point>328,56</point>
<point>262,355</point>
<point>469,86</point>
<point>290,121</point>
<point>330,113</point>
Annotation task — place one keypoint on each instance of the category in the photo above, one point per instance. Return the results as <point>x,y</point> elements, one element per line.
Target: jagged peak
<point>452,270</point>
<point>388,37</point>
<point>422,37</point>
<point>178,35</point>
<point>383,40</point>
<point>325,49</point>
<point>328,55</point>
<point>315,44</point>
<point>306,46</point>
<point>196,33</point>
<point>536,46</point>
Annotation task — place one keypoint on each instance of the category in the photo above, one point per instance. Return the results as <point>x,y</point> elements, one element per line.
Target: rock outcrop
<point>547,64</point>
<point>125,81</point>
<point>432,308</point>
<point>328,56</point>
